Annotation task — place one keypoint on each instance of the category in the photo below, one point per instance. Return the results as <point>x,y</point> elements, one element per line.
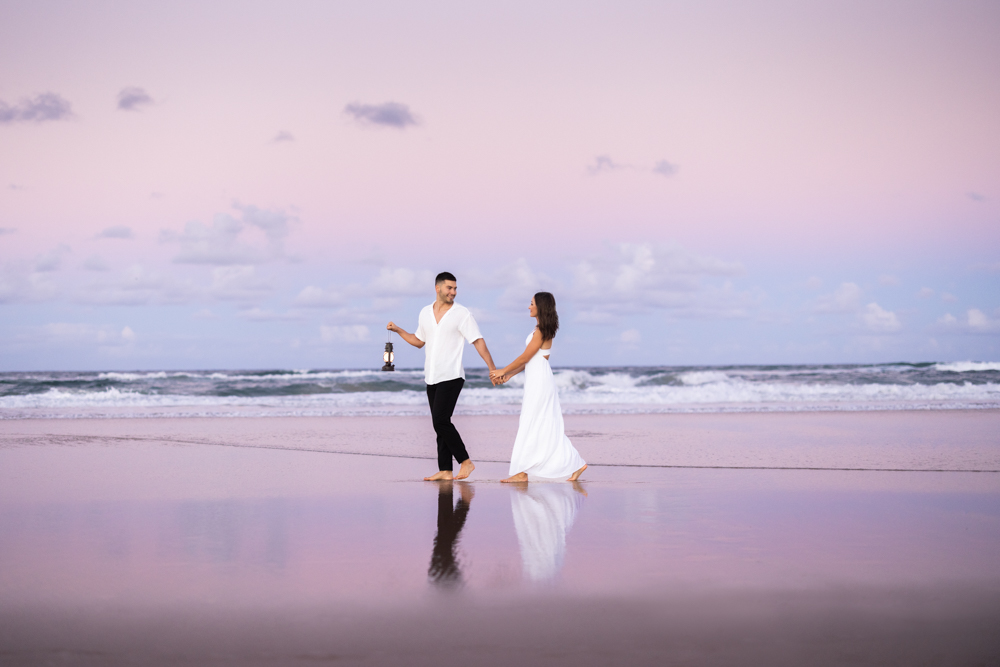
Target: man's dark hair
<point>548,318</point>
<point>443,276</point>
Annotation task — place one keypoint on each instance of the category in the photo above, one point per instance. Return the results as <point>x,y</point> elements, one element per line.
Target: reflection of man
<point>444,327</point>
<point>444,570</point>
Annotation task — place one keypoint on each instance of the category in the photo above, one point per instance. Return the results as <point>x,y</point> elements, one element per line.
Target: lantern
<point>388,357</point>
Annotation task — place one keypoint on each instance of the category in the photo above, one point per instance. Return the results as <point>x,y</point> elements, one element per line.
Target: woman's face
<point>533,309</point>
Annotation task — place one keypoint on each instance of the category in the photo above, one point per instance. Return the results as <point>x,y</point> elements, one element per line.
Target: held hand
<point>392,327</point>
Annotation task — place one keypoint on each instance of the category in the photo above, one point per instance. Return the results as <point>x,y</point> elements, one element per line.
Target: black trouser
<point>442,398</point>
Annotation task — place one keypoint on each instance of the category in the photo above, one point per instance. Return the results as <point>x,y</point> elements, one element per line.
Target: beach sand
<point>780,538</point>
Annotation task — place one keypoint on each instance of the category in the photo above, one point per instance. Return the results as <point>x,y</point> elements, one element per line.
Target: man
<point>444,327</point>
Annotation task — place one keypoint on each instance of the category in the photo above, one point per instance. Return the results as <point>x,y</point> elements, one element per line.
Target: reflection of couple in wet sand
<point>543,515</point>
<point>541,448</point>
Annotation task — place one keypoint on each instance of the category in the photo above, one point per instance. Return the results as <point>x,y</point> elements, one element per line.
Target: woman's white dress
<point>541,448</point>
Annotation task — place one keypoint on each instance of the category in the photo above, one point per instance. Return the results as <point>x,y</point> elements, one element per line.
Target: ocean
<point>605,390</point>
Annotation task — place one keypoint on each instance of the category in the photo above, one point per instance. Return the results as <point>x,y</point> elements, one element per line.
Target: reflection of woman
<point>543,514</point>
<point>444,570</point>
<point>541,448</point>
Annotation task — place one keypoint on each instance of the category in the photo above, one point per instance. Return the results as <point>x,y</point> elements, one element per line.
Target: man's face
<point>446,291</point>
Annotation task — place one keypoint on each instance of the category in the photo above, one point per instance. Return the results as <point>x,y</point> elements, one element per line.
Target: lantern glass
<point>388,357</point>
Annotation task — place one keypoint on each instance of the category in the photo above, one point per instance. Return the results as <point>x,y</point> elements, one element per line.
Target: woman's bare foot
<point>575,476</point>
<point>442,475</point>
<point>519,478</point>
<point>466,469</point>
<point>579,488</point>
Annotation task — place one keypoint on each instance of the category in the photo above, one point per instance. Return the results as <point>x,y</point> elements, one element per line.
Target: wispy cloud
<point>133,98</point>
<point>845,299</point>
<point>52,260</point>
<point>282,136</point>
<point>115,232</point>
<point>387,114</point>
<point>664,168</point>
<point>317,297</point>
<point>403,282</point>
<point>348,333</point>
<point>95,263</point>
<point>44,107</point>
<point>7,230</point>
<point>264,315</point>
<point>975,196</point>
<point>641,278</point>
<point>221,242</point>
<point>603,164</point>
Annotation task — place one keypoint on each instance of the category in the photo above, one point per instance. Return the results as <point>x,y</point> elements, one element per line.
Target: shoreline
<point>927,441</point>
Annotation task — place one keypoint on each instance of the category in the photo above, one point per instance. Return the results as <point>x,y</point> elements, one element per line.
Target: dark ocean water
<point>956,385</point>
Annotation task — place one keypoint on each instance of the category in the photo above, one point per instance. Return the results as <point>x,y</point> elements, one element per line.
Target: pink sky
<point>842,142</point>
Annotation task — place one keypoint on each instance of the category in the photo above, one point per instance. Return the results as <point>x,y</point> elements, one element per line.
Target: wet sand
<point>260,542</point>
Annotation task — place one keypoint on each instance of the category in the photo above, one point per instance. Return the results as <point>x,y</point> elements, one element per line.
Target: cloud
<point>846,299</point>
<point>137,286</point>
<point>878,320</point>
<point>519,283</point>
<point>220,243</point>
<point>603,163</point>
<point>814,282</point>
<point>77,334</point>
<point>975,196</point>
<point>115,232</point>
<point>52,260</point>
<point>630,337</point>
<point>644,278</point>
<point>20,283</point>
<point>980,322</point>
<point>95,263</point>
<point>947,320</point>
<point>925,293</point>
<point>888,280</point>
<point>133,98</point>
<point>388,114</point>
<point>7,230</point>
<point>263,315</point>
<point>317,297</point>
<point>976,321</point>
<point>403,282</point>
<point>951,298</point>
<point>664,168</point>
<point>282,136</point>
<point>237,283</point>
<point>44,107</point>
<point>350,333</point>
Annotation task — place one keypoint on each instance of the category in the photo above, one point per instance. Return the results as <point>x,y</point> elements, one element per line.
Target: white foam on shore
<point>707,392</point>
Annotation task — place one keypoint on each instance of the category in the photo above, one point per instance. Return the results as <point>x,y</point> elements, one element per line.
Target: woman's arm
<point>516,366</point>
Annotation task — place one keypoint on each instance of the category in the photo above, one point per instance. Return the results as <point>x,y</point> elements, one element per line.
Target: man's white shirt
<point>445,341</point>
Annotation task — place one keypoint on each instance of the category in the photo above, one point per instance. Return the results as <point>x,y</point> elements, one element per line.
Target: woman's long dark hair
<point>548,318</point>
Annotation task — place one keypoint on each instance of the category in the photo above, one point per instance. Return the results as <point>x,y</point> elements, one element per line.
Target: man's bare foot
<point>519,478</point>
<point>575,476</point>
<point>440,476</point>
<point>466,469</point>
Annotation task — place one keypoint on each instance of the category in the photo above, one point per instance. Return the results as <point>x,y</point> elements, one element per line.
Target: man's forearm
<point>484,352</point>
<point>410,338</point>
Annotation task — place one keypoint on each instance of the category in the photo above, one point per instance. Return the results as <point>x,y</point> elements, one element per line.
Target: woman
<point>541,448</point>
